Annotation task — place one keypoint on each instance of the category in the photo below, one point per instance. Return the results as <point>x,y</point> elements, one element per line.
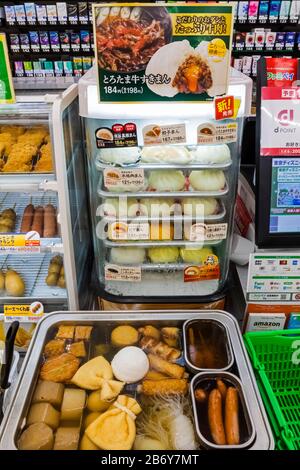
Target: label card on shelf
<point>124,178</point>
<point>24,312</point>
<point>208,271</point>
<point>21,243</point>
<point>160,135</point>
<point>208,232</point>
<point>132,231</point>
<point>209,133</point>
<point>114,272</point>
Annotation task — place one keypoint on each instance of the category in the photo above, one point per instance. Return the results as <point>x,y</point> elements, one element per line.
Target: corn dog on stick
<point>164,387</point>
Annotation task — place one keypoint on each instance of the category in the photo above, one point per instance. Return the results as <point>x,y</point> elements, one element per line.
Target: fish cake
<point>65,332</point>
<point>60,368</point>
<point>55,347</point>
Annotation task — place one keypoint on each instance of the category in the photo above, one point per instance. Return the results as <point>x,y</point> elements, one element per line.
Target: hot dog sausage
<point>50,227</point>
<point>27,219</point>
<point>222,389</point>
<point>215,419</point>
<point>232,417</point>
<point>38,220</point>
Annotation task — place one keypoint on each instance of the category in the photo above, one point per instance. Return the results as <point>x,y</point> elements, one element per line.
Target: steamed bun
<point>120,207</point>
<point>164,254</point>
<point>211,154</point>
<point>119,156</point>
<point>195,255</point>
<point>127,255</point>
<point>207,180</point>
<point>161,180</point>
<point>156,207</point>
<point>166,154</point>
<point>193,206</point>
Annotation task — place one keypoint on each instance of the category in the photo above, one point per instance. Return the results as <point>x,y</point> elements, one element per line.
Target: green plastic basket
<point>275,356</point>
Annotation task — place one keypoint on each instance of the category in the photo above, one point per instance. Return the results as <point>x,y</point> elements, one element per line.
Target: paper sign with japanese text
<point>147,52</point>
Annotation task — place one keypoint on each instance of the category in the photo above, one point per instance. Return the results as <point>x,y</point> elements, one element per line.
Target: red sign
<point>281,72</point>
<point>224,108</point>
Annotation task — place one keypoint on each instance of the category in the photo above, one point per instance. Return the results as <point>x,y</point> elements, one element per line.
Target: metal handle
<point>9,353</point>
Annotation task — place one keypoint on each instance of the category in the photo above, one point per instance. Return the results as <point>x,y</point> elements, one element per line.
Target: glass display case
<point>43,205</point>
<point>162,184</point>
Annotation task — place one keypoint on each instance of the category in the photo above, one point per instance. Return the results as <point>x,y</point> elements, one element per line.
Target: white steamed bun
<point>166,154</point>
<point>211,154</point>
<point>119,156</point>
<point>207,180</point>
<point>127,255</point>
<point>163,180</point>
<point>193,206</point>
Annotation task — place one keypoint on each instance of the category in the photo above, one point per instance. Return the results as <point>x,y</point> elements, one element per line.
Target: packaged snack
<point>14,42</point>
<point>77,65</point>
<point>243,11</point>
<point>54,41</point>
<point>58,68</point>
<point>253,11</point>
<point>83,14</point>
<point>280,40</point>
<point>30,12</point>
<point>24,42</point>
<point>52,14</point>
<point>284,11</point>
<point>270,40</point>
<point>20,14</point>
<point>41,14</point>
<point>249,40</point>
<point>290,38</point>
<point>64,38</point>
<point>85,40</point>
<point>75,41</point>
<point>260,37</point>
<point>28,69</point>
<point>37,69</point>
<point>19,69</point>
<point>68,68</point>
<point>34,41</point>
<point>274,10</point>
<point>295,11</point>
<point>48,68</point>
<point>62,13</point>
<point>44,41</point>
<point>86,64</point>
<point>72,12</point>
<point>263,11</point>
<point>10,14</point>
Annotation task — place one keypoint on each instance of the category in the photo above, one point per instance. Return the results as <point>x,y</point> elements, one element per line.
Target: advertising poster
<point>7,93</point>
<point>148,52</point>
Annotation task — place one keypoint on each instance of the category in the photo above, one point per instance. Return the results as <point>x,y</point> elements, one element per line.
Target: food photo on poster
<point>158,52</point>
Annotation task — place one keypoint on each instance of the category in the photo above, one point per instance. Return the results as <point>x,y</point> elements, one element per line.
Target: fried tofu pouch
<point>115,429</point>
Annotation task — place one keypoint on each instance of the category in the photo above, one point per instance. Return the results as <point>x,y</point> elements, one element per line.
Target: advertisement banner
<point>280,118</point>
<point>7,93</point>
<point>147,52</point>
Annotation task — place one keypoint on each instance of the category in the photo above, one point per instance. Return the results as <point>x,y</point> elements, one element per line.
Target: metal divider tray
<point>19,201</point>
<point>173,218</point>
<point>15,418</point>
<point>180,266</point>
<point>169,194</point>
<point>34,270</point>
<point>164,166</point>
<point>146,243</point>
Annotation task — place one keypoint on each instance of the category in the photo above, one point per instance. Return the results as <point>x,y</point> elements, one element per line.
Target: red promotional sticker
<point>224,107</point>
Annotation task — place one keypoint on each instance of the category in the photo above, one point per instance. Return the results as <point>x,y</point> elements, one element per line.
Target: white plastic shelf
<point>33,271</point>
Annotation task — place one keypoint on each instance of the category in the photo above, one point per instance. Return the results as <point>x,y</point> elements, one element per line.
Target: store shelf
<point>12,182</point>
<point>264,52</point>
<point>158,267</point>
<point>162,166</point>
<point>160,194</point>
<point>34,273</point>
<point>49,83</point>
<point>158,243</point>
